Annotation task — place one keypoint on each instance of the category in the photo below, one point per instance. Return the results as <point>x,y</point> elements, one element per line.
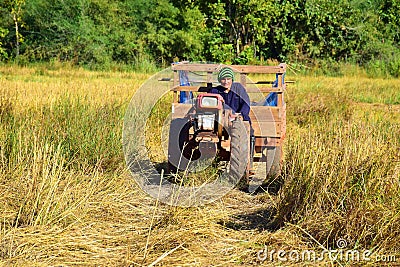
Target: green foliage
<point>3,51</point>
<point>70,30</point>
<point>389,14</point>
<point>171,33</point>
<point>237,30</point>
<point>100,33</point>
<point>384,66</point>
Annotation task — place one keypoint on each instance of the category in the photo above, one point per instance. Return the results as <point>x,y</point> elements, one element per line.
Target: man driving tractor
<point>236,99</point>
<point>234,94</point>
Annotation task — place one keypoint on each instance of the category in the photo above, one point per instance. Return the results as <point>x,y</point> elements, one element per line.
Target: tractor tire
<point>177,141</point>
<point>239,153</point>
<point>272,180</point>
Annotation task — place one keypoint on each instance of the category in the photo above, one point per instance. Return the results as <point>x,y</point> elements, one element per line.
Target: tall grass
<point>342,162</point>
<point>67,199</point>
<point>50,132</point>
<point>343,176</point>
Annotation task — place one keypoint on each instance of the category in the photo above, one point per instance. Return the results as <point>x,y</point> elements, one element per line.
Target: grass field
<point>67,198</point>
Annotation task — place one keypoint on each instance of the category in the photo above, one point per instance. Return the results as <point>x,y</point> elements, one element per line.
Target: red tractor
<point>203,129</point>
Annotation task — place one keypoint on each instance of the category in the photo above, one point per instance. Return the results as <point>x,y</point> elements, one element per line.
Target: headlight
<point>206,122</point>
<point>209,102</point>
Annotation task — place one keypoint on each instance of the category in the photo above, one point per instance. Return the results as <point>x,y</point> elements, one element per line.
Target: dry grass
<point>68,200</point>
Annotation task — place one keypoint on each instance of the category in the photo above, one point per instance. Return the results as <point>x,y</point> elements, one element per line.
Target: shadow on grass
<point>272,186</point>
<point>261,220</point>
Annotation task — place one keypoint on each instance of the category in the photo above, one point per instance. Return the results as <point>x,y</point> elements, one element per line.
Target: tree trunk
<point>16,35</point>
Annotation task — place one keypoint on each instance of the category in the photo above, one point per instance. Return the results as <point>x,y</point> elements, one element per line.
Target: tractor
<point>204,129</point>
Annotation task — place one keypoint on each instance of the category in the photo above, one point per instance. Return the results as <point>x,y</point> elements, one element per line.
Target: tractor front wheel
<point>177,145</point>
<point>239,153</point>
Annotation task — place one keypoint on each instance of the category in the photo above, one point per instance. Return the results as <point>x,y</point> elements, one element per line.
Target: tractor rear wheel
<point>239,153</point>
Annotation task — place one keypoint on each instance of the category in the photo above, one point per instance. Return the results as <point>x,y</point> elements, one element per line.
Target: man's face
<point>226,82</point>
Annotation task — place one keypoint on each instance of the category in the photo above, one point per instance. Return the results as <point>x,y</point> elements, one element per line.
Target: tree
<point>389,14</point>
<point>105,32</point>
<point>16,10</point>
<point>236,29</point>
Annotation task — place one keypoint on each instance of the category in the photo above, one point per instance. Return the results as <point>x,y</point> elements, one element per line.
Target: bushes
<point>383,67</point>
<point>102,33</point>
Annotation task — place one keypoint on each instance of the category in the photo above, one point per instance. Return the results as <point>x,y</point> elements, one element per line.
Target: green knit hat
<point>226,73</point>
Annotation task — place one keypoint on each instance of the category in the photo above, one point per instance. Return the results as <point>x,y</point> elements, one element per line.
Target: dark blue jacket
<point>236,99</point>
